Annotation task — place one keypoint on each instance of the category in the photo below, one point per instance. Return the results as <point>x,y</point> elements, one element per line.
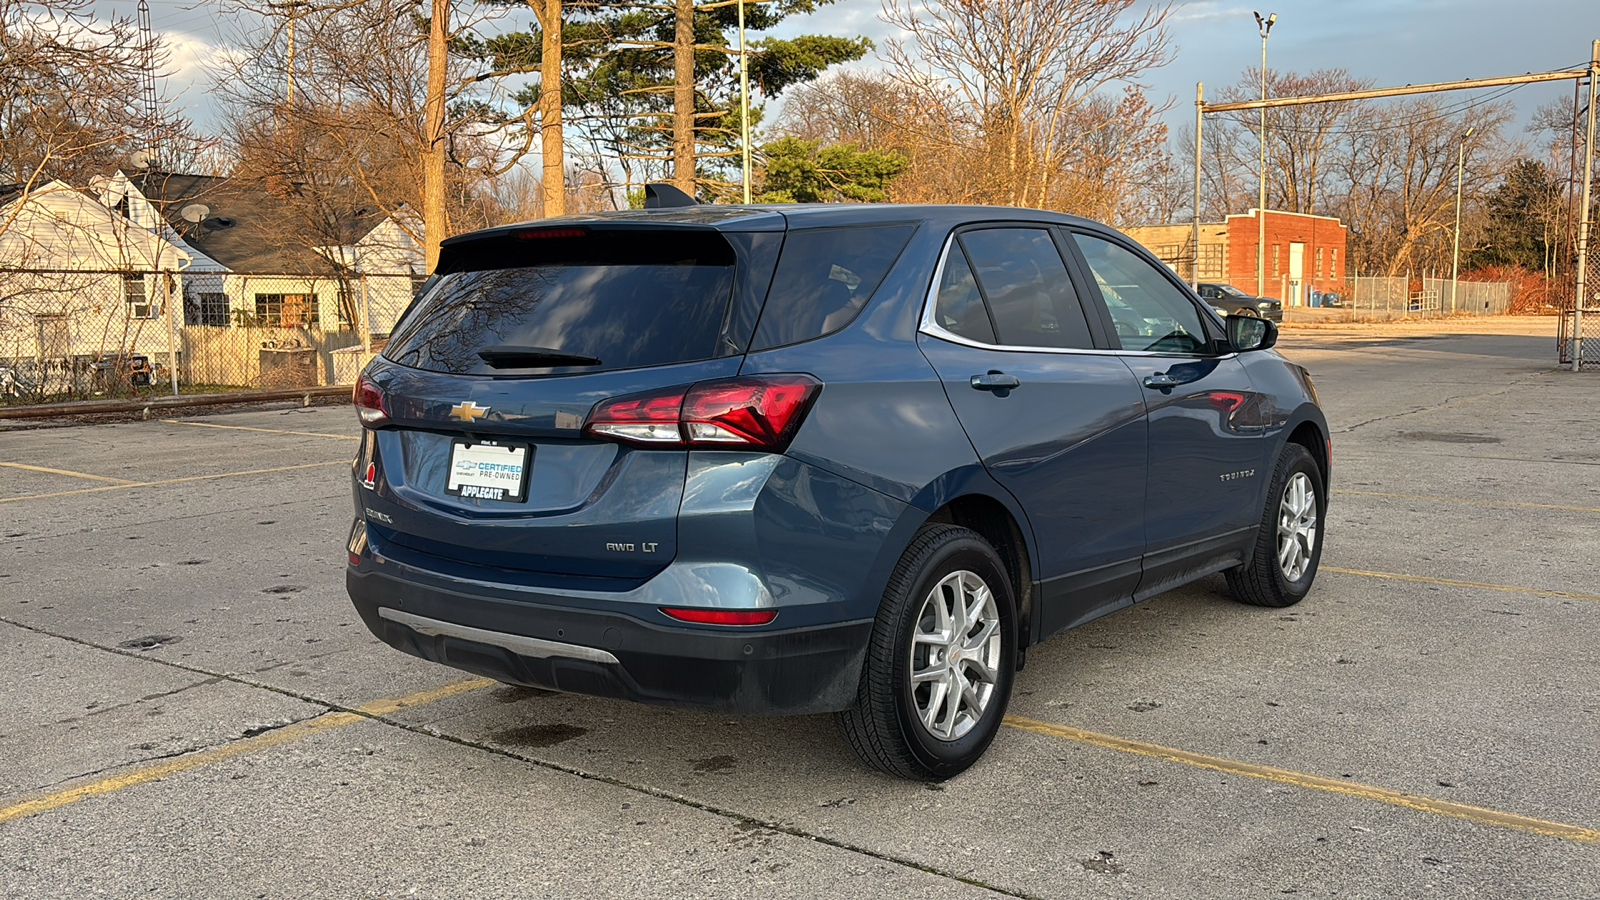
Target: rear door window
<point>1029,294</point>
<point>824,277</point>
<point>628,299</point>
<point>959,307</point>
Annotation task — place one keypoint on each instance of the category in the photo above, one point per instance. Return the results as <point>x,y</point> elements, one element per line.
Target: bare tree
<point>1021,76</point>
<point>1400,168</point>
<point>69,95</point>
<point>1299,138</point>
<point>377,104</point>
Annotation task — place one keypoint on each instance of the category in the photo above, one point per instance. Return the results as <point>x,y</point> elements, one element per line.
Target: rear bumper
<point>785,672</point>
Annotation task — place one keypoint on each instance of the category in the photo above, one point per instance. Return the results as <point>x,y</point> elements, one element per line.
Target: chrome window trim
<point>516,643</point>
<point>930,325</point>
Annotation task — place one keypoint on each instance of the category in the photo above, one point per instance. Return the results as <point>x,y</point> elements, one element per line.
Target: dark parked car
<point>1229,300</point>
<point>800,459</point>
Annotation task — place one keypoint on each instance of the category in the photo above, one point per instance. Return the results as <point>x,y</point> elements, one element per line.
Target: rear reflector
<point>721,616</point>
<point>759,412</point>
<point>370,403</point>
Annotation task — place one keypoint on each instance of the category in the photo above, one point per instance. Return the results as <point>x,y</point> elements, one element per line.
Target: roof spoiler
<point>661,196</point>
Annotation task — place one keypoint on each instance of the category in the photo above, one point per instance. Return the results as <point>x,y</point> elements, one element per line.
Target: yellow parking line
<point>1480,814</point>
<point>139,484</point>
<point>342,437</point>
<point>1570,595</point>
<point>1468,500</point>
<point>294,732</point>
<point>49,471</point>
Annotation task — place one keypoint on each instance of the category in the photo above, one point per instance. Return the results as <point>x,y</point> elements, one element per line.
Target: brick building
<point>1303,253</point>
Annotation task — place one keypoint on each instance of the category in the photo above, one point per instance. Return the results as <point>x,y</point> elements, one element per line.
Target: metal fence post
<point>1584,216</point>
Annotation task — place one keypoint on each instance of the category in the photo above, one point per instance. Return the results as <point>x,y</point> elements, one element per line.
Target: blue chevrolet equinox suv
<point>816,458</point>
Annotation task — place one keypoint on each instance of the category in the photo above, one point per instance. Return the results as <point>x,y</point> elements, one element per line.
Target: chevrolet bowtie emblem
<point>468,411</point>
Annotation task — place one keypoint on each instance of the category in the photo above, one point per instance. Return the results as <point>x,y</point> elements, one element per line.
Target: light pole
<point>744,104</point>
<point>1455,252</point>
<point>1265,27</point>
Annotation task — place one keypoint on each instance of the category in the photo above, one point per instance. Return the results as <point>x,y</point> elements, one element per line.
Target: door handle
<point>1161,381</point>
<point>995,381</point>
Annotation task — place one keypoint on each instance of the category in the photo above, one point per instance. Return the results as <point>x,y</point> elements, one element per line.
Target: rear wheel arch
<point>996,524</point>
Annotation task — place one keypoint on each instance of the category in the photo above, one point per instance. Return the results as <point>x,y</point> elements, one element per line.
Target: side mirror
<point>1251,333</point>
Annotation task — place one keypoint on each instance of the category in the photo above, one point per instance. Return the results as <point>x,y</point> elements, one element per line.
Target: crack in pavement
<point>250,731</point>
<point>105,709</point>
<point>1444,404</point>
<point>144,523</point>
<point>426,731</point>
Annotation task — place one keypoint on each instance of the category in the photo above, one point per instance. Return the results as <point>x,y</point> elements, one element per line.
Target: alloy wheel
<point>955,654</point>
<point>1297,526</point>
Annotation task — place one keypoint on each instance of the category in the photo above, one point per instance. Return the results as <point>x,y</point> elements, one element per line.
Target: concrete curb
<point>92,407</point>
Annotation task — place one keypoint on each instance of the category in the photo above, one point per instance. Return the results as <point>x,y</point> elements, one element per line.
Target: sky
<point>1392,43</point>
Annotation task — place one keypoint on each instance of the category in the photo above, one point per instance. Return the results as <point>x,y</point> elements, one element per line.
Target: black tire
<point>1247,311</point>
<point>1263,581</point>
<point>884,726</point>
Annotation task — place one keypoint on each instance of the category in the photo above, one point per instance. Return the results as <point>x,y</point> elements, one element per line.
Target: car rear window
<point>628,298</point>
<point>824,277</point>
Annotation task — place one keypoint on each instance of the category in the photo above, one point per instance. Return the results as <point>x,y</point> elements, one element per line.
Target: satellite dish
<point>144,159</point>
<point>194,212</point>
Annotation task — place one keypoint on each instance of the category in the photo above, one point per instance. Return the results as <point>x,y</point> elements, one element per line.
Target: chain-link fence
<point>1588,345</point>
<point>1383,297</point>
<point>80,334</point>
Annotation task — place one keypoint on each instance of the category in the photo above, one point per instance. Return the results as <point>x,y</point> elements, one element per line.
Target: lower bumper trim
<point>537,648</point>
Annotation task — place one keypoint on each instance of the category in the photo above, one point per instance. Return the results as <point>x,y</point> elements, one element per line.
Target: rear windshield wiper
<point>511,356</point>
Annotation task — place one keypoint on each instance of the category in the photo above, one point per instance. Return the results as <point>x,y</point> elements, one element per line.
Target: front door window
<point>1148,311</point>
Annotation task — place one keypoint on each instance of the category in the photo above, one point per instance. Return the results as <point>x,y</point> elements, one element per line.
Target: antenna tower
<point>147,80</point>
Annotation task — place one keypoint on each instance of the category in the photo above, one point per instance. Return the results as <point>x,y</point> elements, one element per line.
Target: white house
<point>261,258</point>
<point>78,279</point>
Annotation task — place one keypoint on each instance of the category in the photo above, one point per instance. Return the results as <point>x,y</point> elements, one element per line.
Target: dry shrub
<point>1531,292</point>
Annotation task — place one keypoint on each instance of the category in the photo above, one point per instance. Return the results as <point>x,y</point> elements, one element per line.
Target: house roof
<point>251,224</point>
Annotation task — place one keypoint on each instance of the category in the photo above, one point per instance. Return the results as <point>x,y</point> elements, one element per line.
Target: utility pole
<point>291,10</point>
<point>433,142</point>
<point>683,98</point>
<point>744,103</point>
<point>1455,252</point>
<point>1585,213</point>
<point>1265,26</point>
<point>1199,117</point>
<point>551,147</point>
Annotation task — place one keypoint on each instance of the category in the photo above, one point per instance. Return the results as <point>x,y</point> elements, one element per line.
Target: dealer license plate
<point>489,470</point>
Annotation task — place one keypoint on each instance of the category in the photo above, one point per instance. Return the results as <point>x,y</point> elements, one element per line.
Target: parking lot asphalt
<point>196,711</point>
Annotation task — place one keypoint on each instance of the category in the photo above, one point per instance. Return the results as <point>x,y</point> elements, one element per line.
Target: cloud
<point>1207,11</point>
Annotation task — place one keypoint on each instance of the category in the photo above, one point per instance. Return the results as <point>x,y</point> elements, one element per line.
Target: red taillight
<point>760,411</point>
<point>721,616</point>
<point>369,401</point>
<point>640,418</point>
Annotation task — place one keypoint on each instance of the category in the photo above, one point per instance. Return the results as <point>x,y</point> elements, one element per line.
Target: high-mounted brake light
<point>370,403</point>
<point>533,234</point>
<point>721,616</point>
<point>759,411</point>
